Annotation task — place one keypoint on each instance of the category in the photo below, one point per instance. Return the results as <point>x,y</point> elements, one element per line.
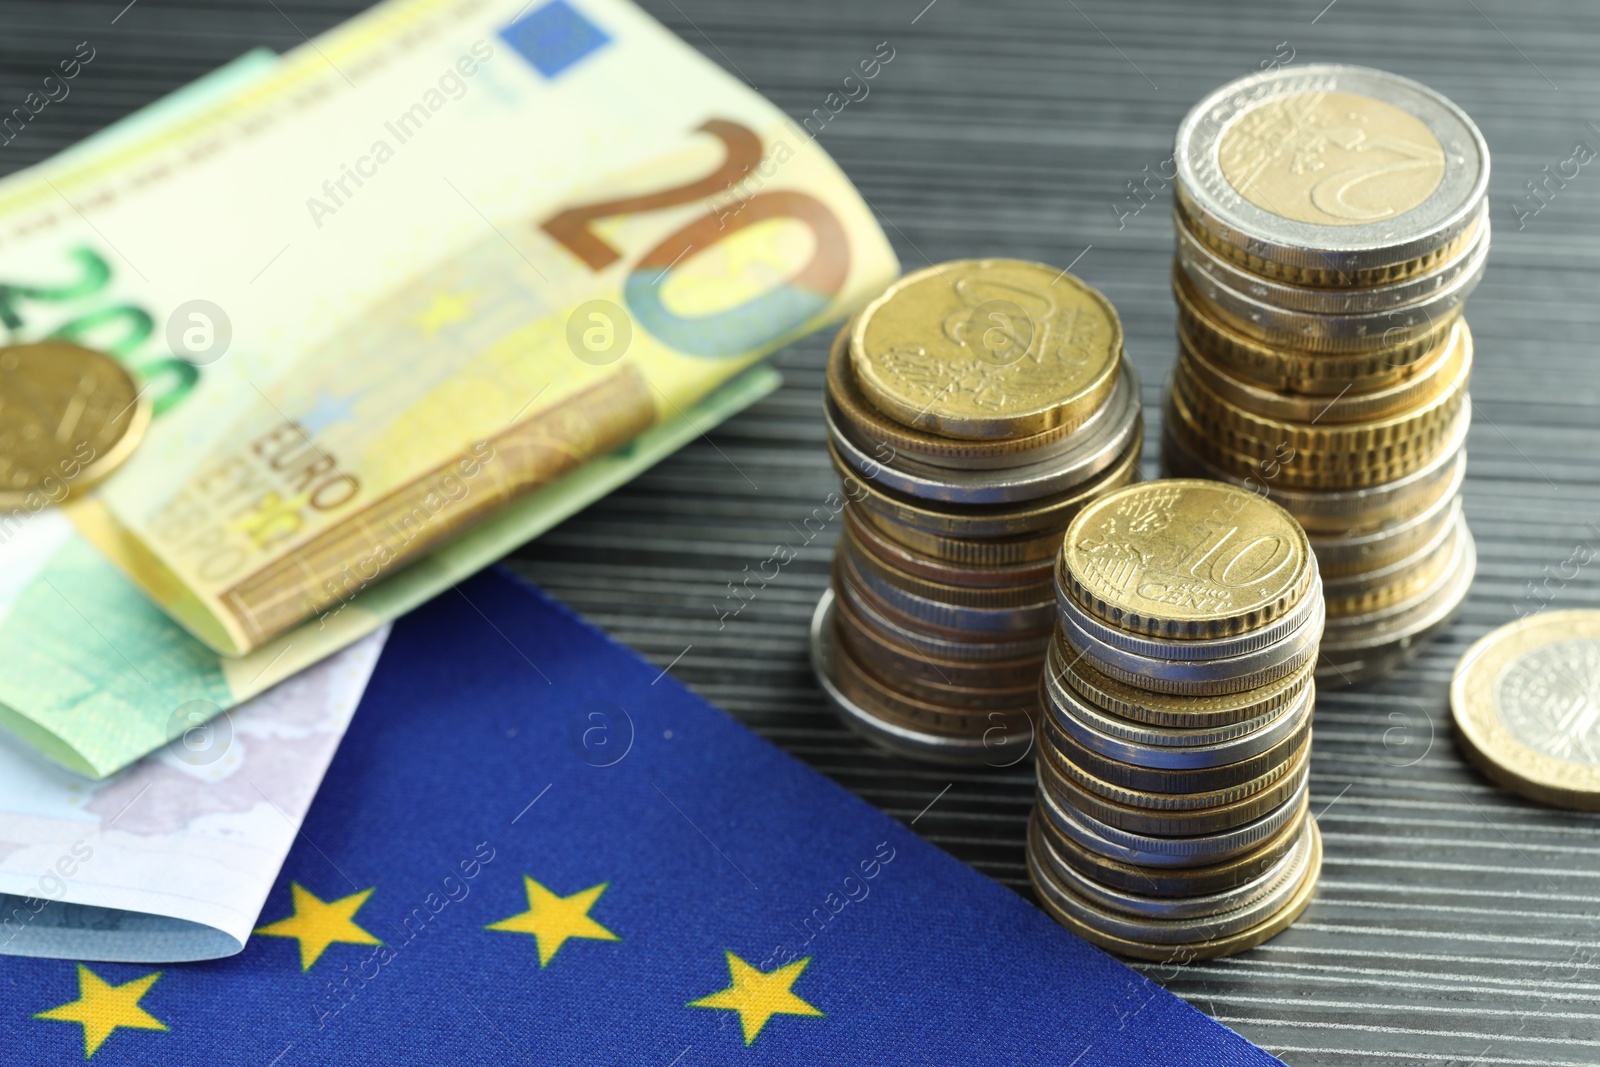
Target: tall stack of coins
<point>972,410</point>
<point>1331,221</point>
<point>1174,762</point>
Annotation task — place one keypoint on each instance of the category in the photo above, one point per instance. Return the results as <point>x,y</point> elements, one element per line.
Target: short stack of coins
<point>972,410</point>
<point>1331,221</point>
<point>1172,820</point>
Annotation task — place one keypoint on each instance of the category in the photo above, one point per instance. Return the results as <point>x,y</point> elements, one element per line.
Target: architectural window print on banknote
<point>267,471</point>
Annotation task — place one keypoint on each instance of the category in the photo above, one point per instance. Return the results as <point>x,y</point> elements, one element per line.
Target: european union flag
<point>533,847</point>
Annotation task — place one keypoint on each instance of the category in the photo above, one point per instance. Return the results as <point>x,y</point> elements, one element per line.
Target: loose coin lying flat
<point>1527,707</point>
<point>69,416</point>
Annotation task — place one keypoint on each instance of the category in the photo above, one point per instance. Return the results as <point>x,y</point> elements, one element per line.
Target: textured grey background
<point>1455,923</point>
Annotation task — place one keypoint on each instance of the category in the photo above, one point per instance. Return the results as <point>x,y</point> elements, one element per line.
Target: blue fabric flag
<point>534,847</point>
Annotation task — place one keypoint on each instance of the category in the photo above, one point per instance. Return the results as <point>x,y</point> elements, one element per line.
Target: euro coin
<point>1525,710</point>
<point>1291,369</point>
<point>1416,290</point>
<point>885,438</point>
<point>1335,176</point>
<point>1434,373</point>
<point>1174,882</point>
<point>987,348</point>
<point>1139,705</point>
<point>69,416</point>
<point>1186,558</point>
<point>935,569</point>
<point>1327,513</point>
<point>1208,943</point>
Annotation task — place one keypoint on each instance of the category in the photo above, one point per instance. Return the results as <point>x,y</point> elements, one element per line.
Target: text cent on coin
<point>1186,558</point>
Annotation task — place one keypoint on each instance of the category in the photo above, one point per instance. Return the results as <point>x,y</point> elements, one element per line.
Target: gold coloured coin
<point>934,569</point>
<point>1322,272</point>
<point>1137,798</point>
<point>885,439</point>
<point>1241,454</point>
<point>1430,375</point>
<point>987,348</point>
<point>1525,700</point>
<point>1164,709</point>
<point>894,707</point>
<point>867,562</point>
<point>1145,813</point>
<point>1327,453</point>
<point>1186,558</point>
<point>1291,370</point>
<point>69,416</point>
<point>1325,513</point>
<point>1334,159</point>
<point>1018,551</point>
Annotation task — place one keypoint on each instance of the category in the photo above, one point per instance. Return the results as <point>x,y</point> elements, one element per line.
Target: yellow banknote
<point>434,261</point>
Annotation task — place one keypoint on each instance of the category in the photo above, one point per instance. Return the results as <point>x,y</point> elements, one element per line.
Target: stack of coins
<point>1331,221</point>
<point>972,410</point>
<point>1174,762</point>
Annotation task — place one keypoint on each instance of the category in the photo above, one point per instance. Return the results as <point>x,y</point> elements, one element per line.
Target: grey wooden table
<point>1454,923</point>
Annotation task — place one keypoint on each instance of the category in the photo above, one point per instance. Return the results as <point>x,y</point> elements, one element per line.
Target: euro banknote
<point>559,271</point>
<point>171,859</point>
<point>517,251</point>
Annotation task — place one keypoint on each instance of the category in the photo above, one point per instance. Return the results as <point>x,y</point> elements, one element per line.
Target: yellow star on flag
<point>102,1008</point>
<point>316,924</point>
<point>757,996</point>
<point>446,310</point>
<point>553,919</point>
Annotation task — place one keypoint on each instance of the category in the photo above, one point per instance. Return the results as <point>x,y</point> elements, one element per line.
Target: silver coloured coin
<point>1351,585</point>
<point>1202,262</point>
<point>1287,869</point>
<point>1030,618</point>
<point>1069,462</point>
<point>1360,550</point>
<point>1203,677</point>
<point>913,744</point>
<point>1348,331</point>
<point>1455,549</point>
<point>1139,727</point>
<point>1151,851</point>
<point>1215,203</point>
<point>942,648</point>
<point>1358,648</point>
<point>1164,748</point>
